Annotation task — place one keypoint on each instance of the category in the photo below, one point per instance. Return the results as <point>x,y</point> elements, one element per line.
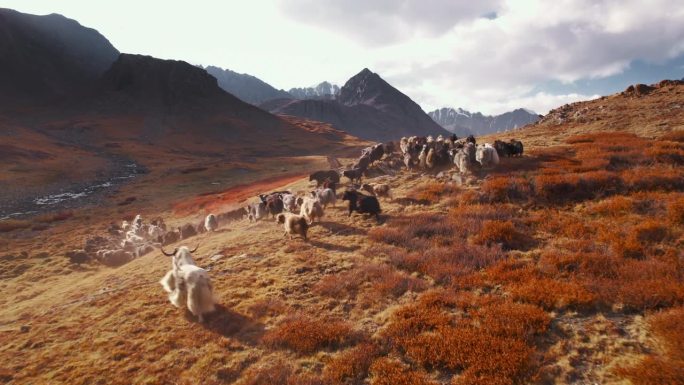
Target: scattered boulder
<point>638,90</point>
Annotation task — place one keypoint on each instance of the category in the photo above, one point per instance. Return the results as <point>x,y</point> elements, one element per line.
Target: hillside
<point>562,266</point>
<point>246,87</point>
<point>463,123</point>
<point>140,116</point>
<point>645,110</point>
<point>367,107</point>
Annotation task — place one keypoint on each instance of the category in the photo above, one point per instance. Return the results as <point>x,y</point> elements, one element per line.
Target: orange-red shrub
<point>613,206</point>
<point>386,371</point>
<point>415,232</point>
<point>384,280</point>
<point>511,271</point>
<point>503,233</point>
<point>675,211</point>
<point>489,339</point>
<point>650,231</point>
<point>352,364</point>
<point>305,335</point>
<point>448,264</point>
<point>662,178</point>
<point>674,136</point>
<point>432,192</point>
<point>553,293</point>
<point>505,189</point>
<point>640,239</point>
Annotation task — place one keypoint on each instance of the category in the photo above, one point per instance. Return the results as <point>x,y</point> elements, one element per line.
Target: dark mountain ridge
<point>367,107</point>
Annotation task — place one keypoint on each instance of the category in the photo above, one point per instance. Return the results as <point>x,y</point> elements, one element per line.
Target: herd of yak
<point>189,285</point>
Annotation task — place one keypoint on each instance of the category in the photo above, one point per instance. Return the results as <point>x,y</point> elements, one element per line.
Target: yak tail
<point>168,282</point>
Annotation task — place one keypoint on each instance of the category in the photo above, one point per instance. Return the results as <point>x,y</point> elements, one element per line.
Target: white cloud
<point>484,63</point>
<point>381,22</point>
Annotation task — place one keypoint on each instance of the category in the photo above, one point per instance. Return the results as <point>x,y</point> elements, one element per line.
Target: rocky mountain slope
<point>246,87</point>
<point>645,110</point>
<point>323,90</point>
<point>367,107</point>
<point>462,122</point>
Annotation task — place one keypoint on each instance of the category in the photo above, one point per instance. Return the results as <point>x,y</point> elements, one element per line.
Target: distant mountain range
<point>52,70</point>
<point>323,90</point>
<point>367,107</point>
<point>246,87</point>
<point>462,122</point>
<point>57,63</point>
<point>256,91</point>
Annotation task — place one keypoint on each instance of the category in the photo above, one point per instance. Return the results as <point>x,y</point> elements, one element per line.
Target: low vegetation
<point>490,282</point>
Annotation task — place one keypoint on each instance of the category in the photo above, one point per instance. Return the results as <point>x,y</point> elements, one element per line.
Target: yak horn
<point>195,249</point>
<point>169,254</point>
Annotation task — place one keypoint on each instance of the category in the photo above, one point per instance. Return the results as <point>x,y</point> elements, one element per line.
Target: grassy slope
<point>578,280</point>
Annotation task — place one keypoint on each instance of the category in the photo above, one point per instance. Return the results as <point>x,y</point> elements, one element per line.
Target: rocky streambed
<point>69,195</point>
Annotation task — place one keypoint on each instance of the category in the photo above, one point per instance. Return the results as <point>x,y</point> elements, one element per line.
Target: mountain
<point>324,90</point>
<point>367,107</point>
<point>246,87</point>
<point>74,112</point>
<point>46,57</point>
<point>462,122</point>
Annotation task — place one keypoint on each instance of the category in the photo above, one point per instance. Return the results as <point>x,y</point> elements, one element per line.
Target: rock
<point>216,257</point>
<point>643,89</point>
<point>24,328</point>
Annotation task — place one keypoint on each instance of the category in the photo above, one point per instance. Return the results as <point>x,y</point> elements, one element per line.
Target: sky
<point>488,55</point>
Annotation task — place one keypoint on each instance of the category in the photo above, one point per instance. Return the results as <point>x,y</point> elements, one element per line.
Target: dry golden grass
<point>666,366</point>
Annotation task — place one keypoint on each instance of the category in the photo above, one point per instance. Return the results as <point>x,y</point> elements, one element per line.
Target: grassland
<point>564,266</point>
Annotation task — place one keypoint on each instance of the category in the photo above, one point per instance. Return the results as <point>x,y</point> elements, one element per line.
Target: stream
<point>72,196</point>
